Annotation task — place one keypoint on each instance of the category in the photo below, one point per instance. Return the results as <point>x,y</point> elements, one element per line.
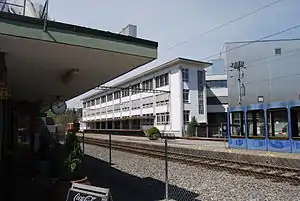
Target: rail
<point>278,172</point>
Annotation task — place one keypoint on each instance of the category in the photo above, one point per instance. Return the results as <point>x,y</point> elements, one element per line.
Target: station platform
<point>214,149</point>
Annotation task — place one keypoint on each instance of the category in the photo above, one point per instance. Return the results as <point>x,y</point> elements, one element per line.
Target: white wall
<point>276,77</point>
<point>192,86</point>
<point>176,104</point>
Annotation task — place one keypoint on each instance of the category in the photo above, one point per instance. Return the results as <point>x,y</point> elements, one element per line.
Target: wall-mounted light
<point>260,99</point>
<point>69,75</point>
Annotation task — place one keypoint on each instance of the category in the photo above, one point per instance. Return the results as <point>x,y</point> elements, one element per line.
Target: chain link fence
<point>178,169</point>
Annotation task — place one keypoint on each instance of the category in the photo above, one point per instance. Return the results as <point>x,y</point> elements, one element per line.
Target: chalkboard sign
<point>81,192</point>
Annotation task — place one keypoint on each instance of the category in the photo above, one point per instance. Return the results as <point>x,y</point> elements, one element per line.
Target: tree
<point>70,116</point>
<point>191,130</point>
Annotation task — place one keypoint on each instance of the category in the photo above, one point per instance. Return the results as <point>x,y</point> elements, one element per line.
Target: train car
<point>272,126</point>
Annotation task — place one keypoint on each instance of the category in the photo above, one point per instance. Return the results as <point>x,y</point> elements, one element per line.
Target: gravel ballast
<point>196,183</point>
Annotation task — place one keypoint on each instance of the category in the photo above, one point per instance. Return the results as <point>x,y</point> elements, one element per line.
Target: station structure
<point>43,61</point>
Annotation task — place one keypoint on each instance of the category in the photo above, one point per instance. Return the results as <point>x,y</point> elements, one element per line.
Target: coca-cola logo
<point>79,197</point>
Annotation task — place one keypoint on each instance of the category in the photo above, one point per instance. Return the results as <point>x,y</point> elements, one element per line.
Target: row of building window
<point>162,118</point>
<point>160,81</point>
<point>126,108</point>
<point>216,84</point>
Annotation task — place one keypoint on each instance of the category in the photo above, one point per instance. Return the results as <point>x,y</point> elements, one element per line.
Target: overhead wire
<point>226,23</point>
<point>251,42</point>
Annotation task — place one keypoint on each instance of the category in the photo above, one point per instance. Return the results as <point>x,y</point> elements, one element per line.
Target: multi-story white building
<point>176,93</point>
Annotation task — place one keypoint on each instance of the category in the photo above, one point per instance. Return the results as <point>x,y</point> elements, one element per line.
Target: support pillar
<point>121,124</point>
<point>3,105</point>
<point>130,124</point>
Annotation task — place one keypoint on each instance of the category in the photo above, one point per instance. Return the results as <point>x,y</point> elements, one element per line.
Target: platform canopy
<point>65,60</point>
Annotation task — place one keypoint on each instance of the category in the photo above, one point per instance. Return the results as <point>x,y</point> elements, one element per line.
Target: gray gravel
<point>207,184</point>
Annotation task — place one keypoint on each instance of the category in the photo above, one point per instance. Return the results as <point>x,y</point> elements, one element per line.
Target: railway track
<point>266,171</point>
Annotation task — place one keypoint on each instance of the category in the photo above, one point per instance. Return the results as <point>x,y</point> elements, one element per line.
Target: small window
<point>186,116</point>
<point>278,123</point>
<point>277,51</point>
<point>186,96</point>
<point>237,124</point>
<point>185,74</point>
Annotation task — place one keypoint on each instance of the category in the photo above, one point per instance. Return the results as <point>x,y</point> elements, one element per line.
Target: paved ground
<point>196,144</point>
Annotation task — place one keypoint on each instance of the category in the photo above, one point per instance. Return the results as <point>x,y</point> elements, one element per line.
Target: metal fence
<point>171,169</point>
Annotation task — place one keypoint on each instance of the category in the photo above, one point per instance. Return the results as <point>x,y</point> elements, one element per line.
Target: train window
<point>237,124</point>
<point>277,123</point>
<point>295,121</point>
<point>256,123</point>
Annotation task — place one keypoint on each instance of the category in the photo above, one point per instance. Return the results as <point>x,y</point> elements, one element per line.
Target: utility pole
<point>238,66</point>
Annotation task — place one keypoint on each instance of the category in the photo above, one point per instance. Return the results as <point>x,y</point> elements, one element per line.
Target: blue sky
<point>172,21</point>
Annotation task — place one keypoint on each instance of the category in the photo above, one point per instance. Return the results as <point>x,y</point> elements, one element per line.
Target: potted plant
<point>71,160</point>
<point>153,133</point>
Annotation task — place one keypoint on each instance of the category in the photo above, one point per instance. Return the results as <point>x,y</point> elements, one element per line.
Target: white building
<point>182,96</point>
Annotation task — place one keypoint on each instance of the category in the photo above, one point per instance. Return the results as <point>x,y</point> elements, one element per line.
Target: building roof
<point>262,41</point>
<point>36,22</point>
<point>153,70</point>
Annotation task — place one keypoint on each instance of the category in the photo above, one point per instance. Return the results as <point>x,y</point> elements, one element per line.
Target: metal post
<point>46,15</point>
<point>24,7</point>
<point>109,149</point>
<point>83,142</point>
<point>241,87</point>
<point>166,168</point>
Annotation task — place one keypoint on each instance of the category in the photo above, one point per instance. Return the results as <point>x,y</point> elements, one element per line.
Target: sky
<point>177,25</point>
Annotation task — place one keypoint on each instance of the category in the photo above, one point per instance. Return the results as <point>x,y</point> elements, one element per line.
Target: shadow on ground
<point>127,187</point>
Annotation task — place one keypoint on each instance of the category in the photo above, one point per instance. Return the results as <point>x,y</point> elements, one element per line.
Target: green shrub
<point>153,133</point>
<point>191,129</point>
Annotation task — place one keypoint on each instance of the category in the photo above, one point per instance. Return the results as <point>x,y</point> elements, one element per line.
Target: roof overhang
<point>66,60</point>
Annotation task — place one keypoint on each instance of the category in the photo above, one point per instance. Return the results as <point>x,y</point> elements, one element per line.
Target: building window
<point>97,101</point>
<point>148,84</point>
<point>84,105</point>
<point>135,105</point>
<point>109,97</point>
<point>162,102</point>
<point>162,80</point>
<point>103,99</point>
<point>186,116</point>
<point>92,102</point>
<point>116,95</point>
<point>200,78</point>
<point>147,105</point>
<point>217,100</point>
<point>135,89</point>
<point>277,51</point>
<point>149,120</point>
<point>162,118</point>
<point>216,84</point>
<point>126,106</point>
<point>186,96</point>
<point>125,92</point>
<point>185,74</point>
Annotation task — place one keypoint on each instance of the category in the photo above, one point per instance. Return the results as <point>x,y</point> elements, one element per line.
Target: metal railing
<point>42,13</point>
